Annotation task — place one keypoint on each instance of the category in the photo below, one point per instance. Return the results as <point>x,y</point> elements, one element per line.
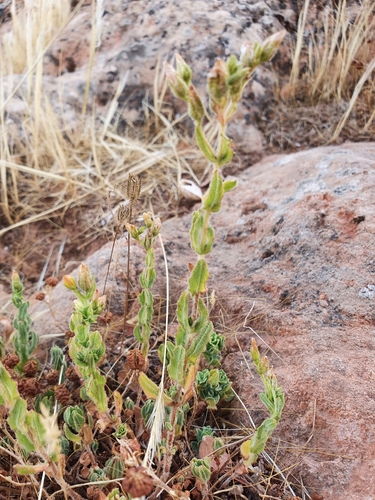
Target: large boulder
<point>134,37</point>
<point>294,266</point>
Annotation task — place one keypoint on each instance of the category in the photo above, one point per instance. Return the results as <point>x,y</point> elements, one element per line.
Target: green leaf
<point>17,415</point>
<point>201,318</point>
<point>203,144</point>
<point>151,389</point>
<point>226,152</point>
<point>95,390</point>
<point>148,386</point>
<point>199,343</point>
<point>8,389</point>
<point>229,185</point>
<point>212,199</point>
<point>201,234</point>
<point>182,336</point>
<point>74,417</point>
<point>183,309</point>
<point>138,334</point>
<point>75,438</point>
<point>198,278</point>
<point>36,428</point>
<point>177,364</point>
<point>26,443</point>
<point>170,348</point>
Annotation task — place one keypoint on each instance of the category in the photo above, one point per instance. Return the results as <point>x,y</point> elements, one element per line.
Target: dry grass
<point>53,166</point>
<point>338,53</point>
<point>34,25</point>
<point>333,61</point>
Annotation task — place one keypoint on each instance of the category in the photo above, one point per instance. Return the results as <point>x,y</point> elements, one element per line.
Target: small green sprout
<point>25,339</point>
<point>273,399</point>
<point>87,348</point>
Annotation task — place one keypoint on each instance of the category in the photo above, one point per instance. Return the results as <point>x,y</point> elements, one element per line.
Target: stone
<point>134,38</point>
<point>293,254</point>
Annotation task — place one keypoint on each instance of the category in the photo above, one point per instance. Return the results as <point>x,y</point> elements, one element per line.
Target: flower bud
<point>271,45</point>
<point>69,282</point>
<point>254,352</point>
<point>16,283</point>
<point>196,108</point>
<point>147,217</point>
<point>175,82</point>
<point>156,227</point>
<point>85,279</point>
<point>132,230</point>
<point>183,70</point>
<point>218,88</point>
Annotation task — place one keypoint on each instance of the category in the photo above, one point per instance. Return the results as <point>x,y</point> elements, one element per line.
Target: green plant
<point>273,399</point>
<point>25,339</point>
<point>87,348</point>
<point>205,431</point>
<point>146,236</point>
<point>195,335</point>
<point>36,433</point>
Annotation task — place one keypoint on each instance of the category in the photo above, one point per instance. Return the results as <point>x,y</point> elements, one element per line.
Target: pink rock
<point>294,262</point>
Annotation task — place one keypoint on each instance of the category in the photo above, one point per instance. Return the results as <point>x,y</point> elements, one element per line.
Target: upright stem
<point>126,303</point>
<point>169,445</point>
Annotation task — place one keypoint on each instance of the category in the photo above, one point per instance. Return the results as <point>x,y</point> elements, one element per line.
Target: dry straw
<point>337,46</point>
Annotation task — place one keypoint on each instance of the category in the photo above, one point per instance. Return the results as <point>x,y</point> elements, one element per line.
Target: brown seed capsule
<point>11,360</point>
<point>105,318</point>
<point>30,368</point>
<point>40,296</point>
<point>29,387</point>
<point>52,377</point>
<point>62,394</point>
<point>137,482</point>
<point>135,359</point>
<point>69,334</point>
<point>52,281</point>
<point>72,375</point>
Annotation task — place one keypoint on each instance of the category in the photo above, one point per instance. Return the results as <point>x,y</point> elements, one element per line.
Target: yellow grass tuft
<point>338,54</point>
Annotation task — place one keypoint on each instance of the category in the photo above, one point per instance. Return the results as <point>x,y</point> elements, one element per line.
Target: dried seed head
<point>28,388</point>
<point>52,377</point>
<point>52,281</point>
<point>131,188</point>
<point>40,296</point>
<point>30,368</point>
<point>123,214</point>
<point>11,360</point>
<point>135,359</point>
<point>72,375</point>
<point>62,394</point>
<point>105,318</point>
<point>137,482</point>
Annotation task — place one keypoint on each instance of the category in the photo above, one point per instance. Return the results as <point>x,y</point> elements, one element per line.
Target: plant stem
<point>169,445</point>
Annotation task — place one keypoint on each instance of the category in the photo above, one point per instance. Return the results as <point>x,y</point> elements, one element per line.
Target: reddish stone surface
<point>294,248</point>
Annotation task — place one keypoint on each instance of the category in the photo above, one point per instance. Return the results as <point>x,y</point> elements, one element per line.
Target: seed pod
<point>11,360</point>
<point>30,368</point>
<point>62,395</point>
<point>137,482</point>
